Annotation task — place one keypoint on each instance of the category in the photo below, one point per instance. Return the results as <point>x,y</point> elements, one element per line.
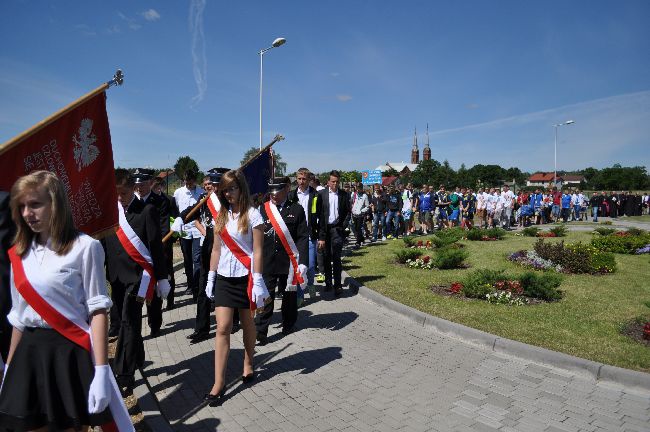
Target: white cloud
<point>199,60</point>
<point>151,15</point>
<point>334,74</point>
<point>114,29</point>
<point>343,97</point>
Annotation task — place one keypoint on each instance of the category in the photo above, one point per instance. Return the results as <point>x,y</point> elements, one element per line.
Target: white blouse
<point>229,265</point>
<point>80,273</point>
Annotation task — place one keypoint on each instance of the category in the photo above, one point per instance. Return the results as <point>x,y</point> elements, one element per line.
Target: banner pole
<point>198,205</point>
<point>118,79</point>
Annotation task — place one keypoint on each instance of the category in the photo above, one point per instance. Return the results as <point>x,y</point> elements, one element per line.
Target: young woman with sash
<point>235,275</point>
<point>57,375</point>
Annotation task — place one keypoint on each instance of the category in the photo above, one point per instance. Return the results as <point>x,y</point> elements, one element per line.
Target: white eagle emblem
<point>85,152</point>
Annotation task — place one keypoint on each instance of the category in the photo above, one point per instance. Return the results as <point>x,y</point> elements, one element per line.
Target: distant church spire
<point>415,153</point>
<point>426,153</point>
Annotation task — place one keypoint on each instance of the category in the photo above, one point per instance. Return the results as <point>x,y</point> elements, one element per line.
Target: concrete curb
<point>598,371</point>
<point>149,405</point>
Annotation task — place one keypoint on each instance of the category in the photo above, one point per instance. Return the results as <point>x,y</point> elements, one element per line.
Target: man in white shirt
<point>508,204</point>
<point>185,197</point>
<point>360,207</point>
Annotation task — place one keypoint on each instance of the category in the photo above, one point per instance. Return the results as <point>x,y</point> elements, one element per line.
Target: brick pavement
<point>352,366</point>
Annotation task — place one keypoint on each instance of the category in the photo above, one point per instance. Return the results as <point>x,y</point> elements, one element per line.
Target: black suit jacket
<point>344,212</point>
<point>145,221</point>
<point>276,260</point>
<point>162,205</point>
<point>314,210</point>
<point>7,229</point>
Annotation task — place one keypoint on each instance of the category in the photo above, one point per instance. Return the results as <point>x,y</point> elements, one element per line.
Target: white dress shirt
<point>79,273</point>
<point>334,207</point>
<point>229,265</point>
<point>185,198</point>
<point>303,199</point>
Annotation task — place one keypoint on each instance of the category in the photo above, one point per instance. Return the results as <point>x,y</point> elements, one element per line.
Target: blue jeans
<point>311,270</point>
<point>555,211</point>
<point>576,212</point>
<point>392,222</point>
<point>378,218</point>
<point>594,212</point>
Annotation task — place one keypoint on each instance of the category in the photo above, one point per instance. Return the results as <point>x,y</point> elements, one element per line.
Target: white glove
<point>212,275</point>
<point>99,395</point>
<point>260,292</point>
<point>177,226</point>
<point>302,269</point>
<point>163,288</point>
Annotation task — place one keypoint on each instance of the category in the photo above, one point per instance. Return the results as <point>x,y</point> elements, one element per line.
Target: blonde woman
<point>235,276</point>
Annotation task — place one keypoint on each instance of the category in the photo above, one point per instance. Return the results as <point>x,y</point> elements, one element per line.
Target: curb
<point>598,371</point>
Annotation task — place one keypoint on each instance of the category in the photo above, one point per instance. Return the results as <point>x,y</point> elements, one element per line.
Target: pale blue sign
<point>369,177</point>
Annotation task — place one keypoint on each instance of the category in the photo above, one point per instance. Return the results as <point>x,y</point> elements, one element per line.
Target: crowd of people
<point>387,212</point>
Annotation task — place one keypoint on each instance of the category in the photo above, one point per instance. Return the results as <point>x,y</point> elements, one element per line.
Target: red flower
<point>646,330</point>
<point>419,243</point>
<point>622,234</point>
<point>514,287</point>
<point>499,285</point>
<point>456,287</point>
<point>426,259</point>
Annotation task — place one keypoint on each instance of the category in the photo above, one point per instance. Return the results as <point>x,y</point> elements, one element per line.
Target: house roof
<point>397,166</point>
<point>541,177</point>
<point>385,181</point>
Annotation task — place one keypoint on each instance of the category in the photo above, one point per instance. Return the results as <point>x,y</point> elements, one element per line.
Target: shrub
<point>636,231</point>
<point>627,244</point>
<point>606,222</point>
<point>448,236</point>
<point>559,231</point>
<point>409,241</point>
<point>605,231</point>
<point>480,282</point>
<point>478,234</point>
<point>531,231</point>
<point>448,258</point>
<point>404,255</point>
<point>543,286</point>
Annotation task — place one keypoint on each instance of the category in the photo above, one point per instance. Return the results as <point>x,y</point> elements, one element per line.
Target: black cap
<point>278,183</point>
<point>141,175</point>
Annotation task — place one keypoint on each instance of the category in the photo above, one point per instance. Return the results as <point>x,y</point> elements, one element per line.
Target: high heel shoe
<point>247,379</point>
<point>215,400</point>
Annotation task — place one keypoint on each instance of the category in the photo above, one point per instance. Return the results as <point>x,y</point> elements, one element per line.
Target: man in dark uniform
<point>167,211</point>
<point>7,229</point>
<point>143,178</point>
<point>276,260</point>
<point>334,219</point>
<point>124,275</point>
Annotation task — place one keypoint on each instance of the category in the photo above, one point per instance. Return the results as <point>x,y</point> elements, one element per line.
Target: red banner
<point>77,148</point>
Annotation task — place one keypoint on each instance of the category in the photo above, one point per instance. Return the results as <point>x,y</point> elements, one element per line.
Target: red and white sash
<point>54,307</point>
<point>282,231</point>
<point>241,251</point>
<point>138,253</point>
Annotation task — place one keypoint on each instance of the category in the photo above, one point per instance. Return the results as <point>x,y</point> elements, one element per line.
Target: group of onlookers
<point>391,211</point>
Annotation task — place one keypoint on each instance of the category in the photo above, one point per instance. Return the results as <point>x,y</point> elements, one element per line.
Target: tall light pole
<point>566,123</point>
<point>276,43</point>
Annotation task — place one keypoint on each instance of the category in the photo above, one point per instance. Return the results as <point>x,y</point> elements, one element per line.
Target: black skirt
<point>47,385</point>
<point>231,292</point>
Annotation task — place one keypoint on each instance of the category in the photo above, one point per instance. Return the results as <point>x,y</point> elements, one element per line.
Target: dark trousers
<point>203,303</point>
<point>332,256</point>
<point>359,222</point>
<point>192,261</point>
<point>154,313</point>
<point>129,353</point>
<point>168,248</point>
<point>289,304</point>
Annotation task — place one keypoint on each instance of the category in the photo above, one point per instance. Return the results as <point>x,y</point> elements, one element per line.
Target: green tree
<point>280,167</point>
<point>184,164</point>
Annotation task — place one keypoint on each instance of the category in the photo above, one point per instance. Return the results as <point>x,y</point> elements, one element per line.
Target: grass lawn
<point>585,323</point>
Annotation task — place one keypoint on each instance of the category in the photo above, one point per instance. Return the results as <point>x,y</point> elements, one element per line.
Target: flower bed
<point>623,242</point>
<point>643,250</point>
<point>482,234</point>
<point>446,258</point>
<point>576,257</point>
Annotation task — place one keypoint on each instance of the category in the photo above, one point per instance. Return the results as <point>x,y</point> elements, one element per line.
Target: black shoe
<point>198,336</point>
<point>338,291</point>
<point>114,332</point>
<point>170,306</point>
<point>328,288</point>
<point>154,333</point>
<point>286,331</point>
<point>261,339</point>
<point>214,400</point>
<point>247,379</point>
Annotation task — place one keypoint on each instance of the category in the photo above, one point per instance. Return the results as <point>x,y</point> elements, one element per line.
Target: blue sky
<point>353,80</point>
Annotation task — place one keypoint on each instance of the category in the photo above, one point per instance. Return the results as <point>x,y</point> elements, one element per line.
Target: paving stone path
<point>352,366</point>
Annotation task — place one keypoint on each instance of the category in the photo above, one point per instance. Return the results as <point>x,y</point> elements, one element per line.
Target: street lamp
<point>566,123</point>
<point>276,43</point>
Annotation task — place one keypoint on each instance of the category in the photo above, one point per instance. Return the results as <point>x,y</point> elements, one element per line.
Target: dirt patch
<point>634,330</point>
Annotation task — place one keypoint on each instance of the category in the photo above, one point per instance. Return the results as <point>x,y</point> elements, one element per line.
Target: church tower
<point>426,153</point>
<point>415,153</point>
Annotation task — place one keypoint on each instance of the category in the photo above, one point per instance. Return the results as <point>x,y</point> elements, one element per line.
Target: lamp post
<point>276,43</point>
<point>566,123</point>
